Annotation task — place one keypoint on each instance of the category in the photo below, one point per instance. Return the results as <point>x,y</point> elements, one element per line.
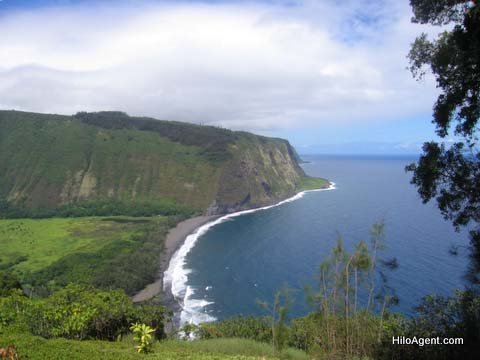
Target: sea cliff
<point>89,160</point>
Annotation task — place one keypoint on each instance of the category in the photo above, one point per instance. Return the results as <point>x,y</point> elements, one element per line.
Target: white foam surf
<point>176,276</point>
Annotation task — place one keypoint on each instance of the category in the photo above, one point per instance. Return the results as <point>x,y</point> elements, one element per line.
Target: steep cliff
<point>47,161</point>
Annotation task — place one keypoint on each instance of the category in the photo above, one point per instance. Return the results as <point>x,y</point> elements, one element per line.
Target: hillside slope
<point>48,161</point>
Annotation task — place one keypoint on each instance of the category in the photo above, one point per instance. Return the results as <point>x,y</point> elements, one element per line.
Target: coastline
<point>174,240</point>
<point>175,287</point>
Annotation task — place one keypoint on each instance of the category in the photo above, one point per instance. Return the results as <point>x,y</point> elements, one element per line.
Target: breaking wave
<point>176,276</point>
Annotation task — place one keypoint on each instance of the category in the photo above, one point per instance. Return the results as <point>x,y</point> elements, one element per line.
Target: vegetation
<point>107,163</point>
<point>451,174</point>
<point>98,216</point>
<point>85,205</point>
<point>51,327</point>
<point>340,325</point>
<point>237,347</point>
<point>312,183</point>
<point>142,334</point>
<point>37,348</point>
<point>166,207</point>
<point>102,189</point>
<point>454,317</point>
<point>347,326</point>
<point>8,282</point>
<point>215,141</point>
<point>107,252</point>
<point>278,309</point>
<point>78,312</point>
<point>245,327</point>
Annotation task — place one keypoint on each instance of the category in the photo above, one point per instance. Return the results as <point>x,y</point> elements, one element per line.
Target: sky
<point>330,76</point>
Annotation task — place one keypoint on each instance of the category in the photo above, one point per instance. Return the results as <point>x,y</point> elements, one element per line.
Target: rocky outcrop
<point>261,172</point>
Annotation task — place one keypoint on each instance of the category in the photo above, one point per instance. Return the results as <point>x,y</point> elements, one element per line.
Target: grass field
<point>30,245</point>
<point>87,250</point>
<point>33,347</point>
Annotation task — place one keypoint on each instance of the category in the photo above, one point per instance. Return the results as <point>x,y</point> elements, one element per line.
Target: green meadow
<point>30,245</point>
<point>98,251</point>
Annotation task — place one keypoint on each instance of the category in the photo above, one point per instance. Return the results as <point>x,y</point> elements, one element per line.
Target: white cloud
<point>253,67</point>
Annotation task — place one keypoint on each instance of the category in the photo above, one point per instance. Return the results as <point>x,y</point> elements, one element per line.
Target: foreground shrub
<point>246,327</point>
<point>78,312</point>
<point>142,334</point>
<point>314,333</point>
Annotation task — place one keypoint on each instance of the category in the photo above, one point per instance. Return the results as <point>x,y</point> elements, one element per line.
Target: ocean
<point>225,268</point>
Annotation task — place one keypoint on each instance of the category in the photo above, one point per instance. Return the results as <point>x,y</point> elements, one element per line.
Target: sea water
<point>230,264</point>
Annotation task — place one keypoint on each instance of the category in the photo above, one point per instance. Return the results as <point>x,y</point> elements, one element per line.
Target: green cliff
<point>50,161</point>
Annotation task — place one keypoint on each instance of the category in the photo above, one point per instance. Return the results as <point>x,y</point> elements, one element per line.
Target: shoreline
<point>175,238</point>
<point>175,288</point>
<point>178,243</point>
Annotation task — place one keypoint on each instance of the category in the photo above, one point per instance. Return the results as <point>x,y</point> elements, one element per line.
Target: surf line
<point>176,276</point>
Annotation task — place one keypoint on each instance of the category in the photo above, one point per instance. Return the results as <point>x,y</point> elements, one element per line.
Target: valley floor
<point>107,252</point>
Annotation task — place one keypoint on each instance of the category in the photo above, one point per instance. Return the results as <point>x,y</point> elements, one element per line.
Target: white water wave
<point>176,276</point>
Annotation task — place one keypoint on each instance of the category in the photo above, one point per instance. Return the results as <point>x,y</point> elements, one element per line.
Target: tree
<point>346,324</point>
<point>279,311</point>
<point>451,174</point>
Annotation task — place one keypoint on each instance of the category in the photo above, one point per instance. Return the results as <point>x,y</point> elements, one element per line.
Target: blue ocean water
<point>252,256</point>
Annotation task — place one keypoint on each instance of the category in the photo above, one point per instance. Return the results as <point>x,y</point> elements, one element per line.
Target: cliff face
<point>48,161</point>
<point>261,172</point>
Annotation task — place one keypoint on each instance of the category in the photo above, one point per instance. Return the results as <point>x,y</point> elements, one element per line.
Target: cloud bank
<point>251,66</point>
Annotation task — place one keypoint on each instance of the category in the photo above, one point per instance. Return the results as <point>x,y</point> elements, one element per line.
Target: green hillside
<point>53,162</point>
